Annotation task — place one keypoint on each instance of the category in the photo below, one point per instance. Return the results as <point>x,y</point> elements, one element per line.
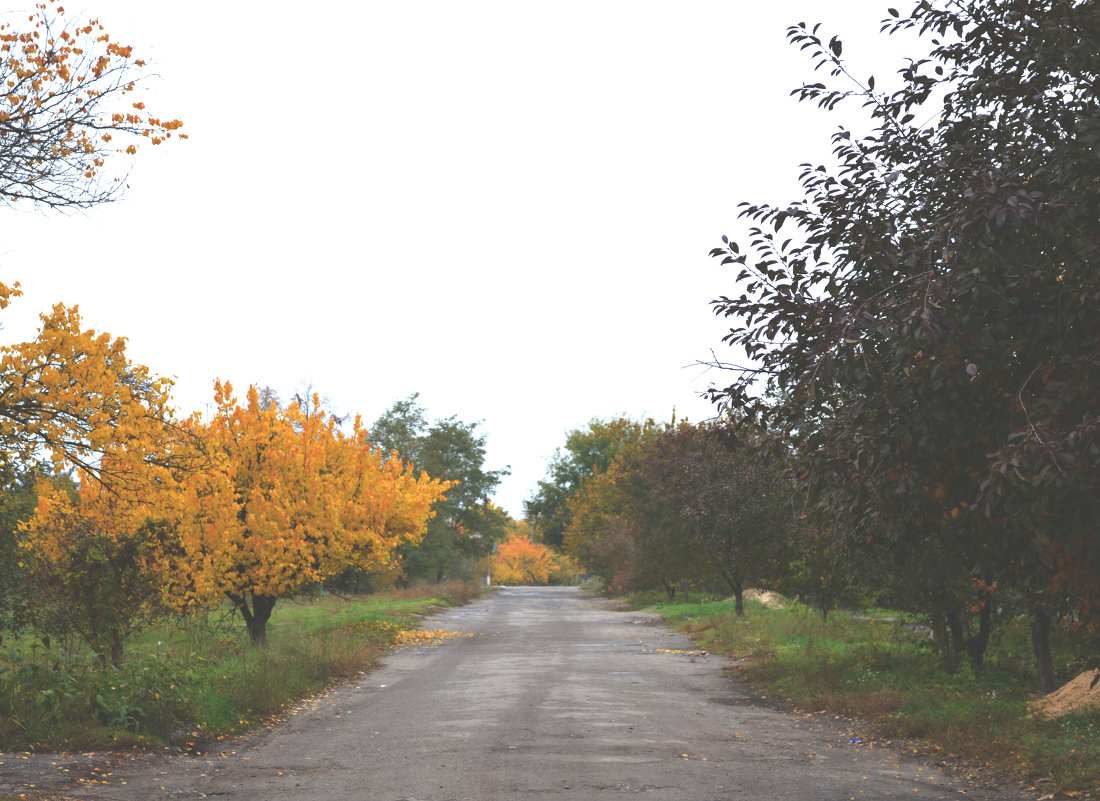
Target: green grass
<point>198,678</point>
<point>884,671</point>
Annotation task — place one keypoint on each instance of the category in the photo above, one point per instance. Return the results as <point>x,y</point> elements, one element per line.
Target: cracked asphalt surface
<point>548,694</point>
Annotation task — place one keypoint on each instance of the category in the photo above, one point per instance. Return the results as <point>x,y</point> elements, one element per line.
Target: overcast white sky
<point>504,206</point>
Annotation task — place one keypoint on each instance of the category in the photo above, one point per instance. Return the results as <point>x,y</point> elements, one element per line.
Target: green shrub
<point>197,676</point>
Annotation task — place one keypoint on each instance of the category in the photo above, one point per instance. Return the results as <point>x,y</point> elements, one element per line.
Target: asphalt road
<point>544,693</point>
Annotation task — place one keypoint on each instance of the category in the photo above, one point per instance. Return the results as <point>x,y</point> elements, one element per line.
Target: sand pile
<point>772,600</point>
<point>1083,691</point>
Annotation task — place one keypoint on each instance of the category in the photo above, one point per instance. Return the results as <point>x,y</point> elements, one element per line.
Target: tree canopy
<point>586,451</point>
<point>74,393</point>
<point>69,117</point>
<point>518,560</point>
<point>466,523</point>
<point>683,506</point>
<point>286,500</point>
<point>923,322</point>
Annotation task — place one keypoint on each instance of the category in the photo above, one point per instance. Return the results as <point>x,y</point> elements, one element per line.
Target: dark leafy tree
<point>733,492</point>
<point>466,524</point>
<point>824,571</point>
<point>664,544</point>
<point>681,507</point>
<point>926,319</point>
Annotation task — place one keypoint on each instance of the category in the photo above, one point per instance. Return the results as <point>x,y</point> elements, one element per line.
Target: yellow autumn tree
<point>74,393</point>
<point>597,535</point>
<point>92,557</point>
<point>518,560</point>
<point>85,562</point>
<point>285,501</point>
<point>69,117</point>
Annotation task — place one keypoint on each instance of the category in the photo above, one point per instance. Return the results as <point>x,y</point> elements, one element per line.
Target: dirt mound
<point>1083,691</point>
<point>772,600</point>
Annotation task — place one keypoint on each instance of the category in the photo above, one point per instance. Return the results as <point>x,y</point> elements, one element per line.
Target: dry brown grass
<point>455,593</point>
<point>868,705</point>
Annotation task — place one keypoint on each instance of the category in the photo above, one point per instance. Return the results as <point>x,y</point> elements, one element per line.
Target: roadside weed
<point>197,677</point>
<point>880,666</point>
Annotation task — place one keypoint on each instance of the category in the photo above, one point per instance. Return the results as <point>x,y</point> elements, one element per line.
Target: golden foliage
<point>287,500</point>
<point>520,561</point>
<point>253,505</point>
<point>428,636</point>
<point>77,394</point>
<point>92,558</point>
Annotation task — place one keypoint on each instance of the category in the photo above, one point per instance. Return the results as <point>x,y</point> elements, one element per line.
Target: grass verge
<point>881,668</point>
<point>199,678</point>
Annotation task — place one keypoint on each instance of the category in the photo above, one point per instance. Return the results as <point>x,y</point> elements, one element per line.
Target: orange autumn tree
<point>285,501</point>
<point>68,114</point>
<point>518,560</point>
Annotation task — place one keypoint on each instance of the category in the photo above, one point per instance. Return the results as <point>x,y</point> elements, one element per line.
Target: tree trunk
<point>117,643</point>
<point>1040,644</point>
<point>976,647</point>
<point>738,599</point>
<point>955,631</point>
<point>255,619</point>
<point>823,603</point>
<point>737,590</point>
<point>941,638</point>
<point>670,590</point>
